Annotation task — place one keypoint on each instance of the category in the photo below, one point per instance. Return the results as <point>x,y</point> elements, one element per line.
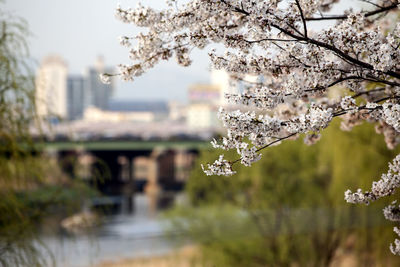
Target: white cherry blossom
<point>300,69</point>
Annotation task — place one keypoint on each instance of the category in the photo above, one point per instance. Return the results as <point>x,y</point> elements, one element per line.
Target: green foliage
<point>17,105</point>
<point>49,197</point>
<point>289,208</point>
<point>31,185</point>
<point>16,112</point>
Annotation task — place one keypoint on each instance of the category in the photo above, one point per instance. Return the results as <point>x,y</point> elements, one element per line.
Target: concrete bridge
<point>118,167</point>
<point>124,145</point>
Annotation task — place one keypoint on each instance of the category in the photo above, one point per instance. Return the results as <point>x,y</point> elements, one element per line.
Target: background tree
<point>288,208</point>
<point>31,184</point>
<point>300,67</point>
<point>16,114</point>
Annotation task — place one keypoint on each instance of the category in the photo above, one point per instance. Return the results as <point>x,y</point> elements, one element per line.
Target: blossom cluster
<point>385,186</point>
<point>301,69</point>
<point>392,212</point>
<point>391,115</point>
<point>219,167</point>
<point>395,249</point>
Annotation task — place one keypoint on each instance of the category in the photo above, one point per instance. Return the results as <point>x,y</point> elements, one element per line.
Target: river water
<point>121,235</point>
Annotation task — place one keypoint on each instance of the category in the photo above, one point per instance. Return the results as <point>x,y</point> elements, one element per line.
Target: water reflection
<point>122,234</point>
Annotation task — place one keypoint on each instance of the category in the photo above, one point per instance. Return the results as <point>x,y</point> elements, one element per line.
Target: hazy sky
<point>80,30</point>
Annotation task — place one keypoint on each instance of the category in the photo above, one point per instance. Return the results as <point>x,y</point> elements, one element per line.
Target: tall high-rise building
<point>51,83</point>
<point>59,95</point>
<point>76,96</point>
<point>99,94</point>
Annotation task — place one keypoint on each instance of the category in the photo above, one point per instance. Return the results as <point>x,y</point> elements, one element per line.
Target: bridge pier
<point>122,170</point>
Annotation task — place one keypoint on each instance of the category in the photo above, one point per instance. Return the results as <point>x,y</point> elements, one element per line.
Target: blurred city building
<point>158,109</point>
<point>60,96</point>
<point>204,100</point>
<point>205,93</point>
<point>76,96</point>
<point>96,114</point>
<point>91,113</point>
<point>51,88</point>
<point>177,111</point>
<point>202,115</point>
<point>220,78</point>
<point>125,111</point>
<point>99,94</point>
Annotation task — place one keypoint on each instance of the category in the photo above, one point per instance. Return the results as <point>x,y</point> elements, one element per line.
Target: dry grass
<point>185,257</point>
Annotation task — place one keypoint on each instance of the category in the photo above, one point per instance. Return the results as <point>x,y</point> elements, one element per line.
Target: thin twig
<point>302,18</point>
<point>367,14</point>
<point>267,145</point>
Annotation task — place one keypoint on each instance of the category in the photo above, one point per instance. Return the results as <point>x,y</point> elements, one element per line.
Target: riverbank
<point>187,256</point>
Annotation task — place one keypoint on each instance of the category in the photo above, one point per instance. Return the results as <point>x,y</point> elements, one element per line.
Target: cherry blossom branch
<point>325,45</point>
<point>267,145</point>
<point>302,18</point>
<point>368,92</point>
<point>378,80</point>
<point>270,39</point>
<point>352,53</point>
<point>349,58</point>
<point>366,14</point>
<point>333,83</point>
<point>335,50</point>
<point>371,3</point>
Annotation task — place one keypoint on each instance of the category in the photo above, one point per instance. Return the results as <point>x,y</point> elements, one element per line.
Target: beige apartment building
<point>51,87</point>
